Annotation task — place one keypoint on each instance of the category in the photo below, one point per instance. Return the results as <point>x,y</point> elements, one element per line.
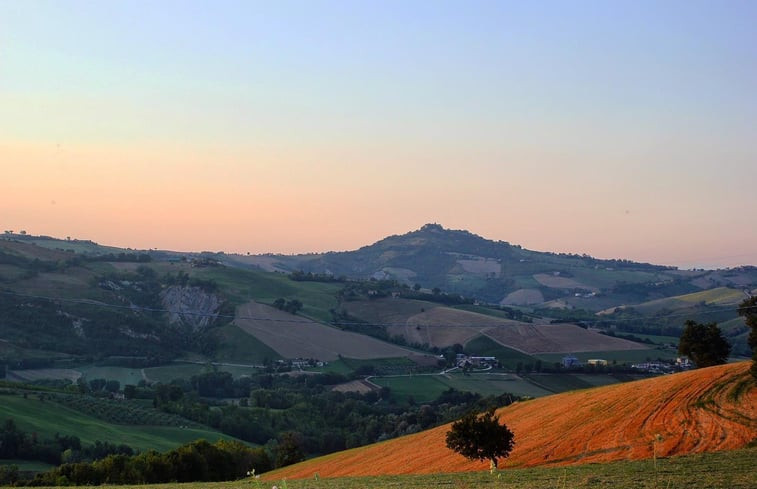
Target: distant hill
<point>108,300</point>
<point>704,410</point>
<point>461,262</point>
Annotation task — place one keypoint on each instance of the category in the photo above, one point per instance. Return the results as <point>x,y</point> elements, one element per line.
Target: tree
<point>704,344</point>
<point>481,437</point>
<point>293,306</point>
<point>289,449</point>
<point>748,309</point>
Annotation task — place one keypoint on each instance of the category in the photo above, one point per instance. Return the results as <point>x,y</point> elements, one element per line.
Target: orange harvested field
<point>698,411</point>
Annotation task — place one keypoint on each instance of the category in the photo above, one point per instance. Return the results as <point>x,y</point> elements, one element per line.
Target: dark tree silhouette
<point>481,437</point>
<point>704,344</point>
<point>748,309</point>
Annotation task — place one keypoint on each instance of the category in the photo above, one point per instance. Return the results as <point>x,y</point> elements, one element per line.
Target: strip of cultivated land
<point>296,337</point>
<point>705,410</point>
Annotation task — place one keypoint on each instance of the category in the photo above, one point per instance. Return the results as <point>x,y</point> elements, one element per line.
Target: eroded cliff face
<point>190,307</point>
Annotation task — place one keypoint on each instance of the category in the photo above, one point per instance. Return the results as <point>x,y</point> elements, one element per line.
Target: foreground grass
<point>723,470</point>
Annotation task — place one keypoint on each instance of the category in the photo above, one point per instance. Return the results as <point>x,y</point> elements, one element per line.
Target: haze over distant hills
<point>458,261</point>
<point>611,295</point>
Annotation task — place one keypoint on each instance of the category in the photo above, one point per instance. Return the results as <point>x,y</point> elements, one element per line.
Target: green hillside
<point>46,418</point>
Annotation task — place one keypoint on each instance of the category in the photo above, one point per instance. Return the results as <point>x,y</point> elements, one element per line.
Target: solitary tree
<point>481,437</point>
<point>748,309</point>
<point>704,344</point>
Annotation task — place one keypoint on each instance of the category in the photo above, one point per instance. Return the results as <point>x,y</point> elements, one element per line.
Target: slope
<point>420,322</point>
<point>297,337</point>
<point>698,411</point>
<point>46,418</point>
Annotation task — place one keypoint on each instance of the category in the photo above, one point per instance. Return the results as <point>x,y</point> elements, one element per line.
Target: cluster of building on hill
<point>465,361</point>
<point>570,361</point>
<point>659,367</point>
<point>681,363</point>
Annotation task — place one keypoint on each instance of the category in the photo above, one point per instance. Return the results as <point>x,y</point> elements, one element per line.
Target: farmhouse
<point>597,362</point>
<point>463,360</point>
<point>569,361</point>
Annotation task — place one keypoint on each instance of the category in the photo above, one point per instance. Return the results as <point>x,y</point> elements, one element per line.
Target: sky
<point>618,129</point>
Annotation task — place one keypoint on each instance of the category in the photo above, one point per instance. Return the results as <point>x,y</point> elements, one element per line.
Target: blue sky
<point>612,128</point>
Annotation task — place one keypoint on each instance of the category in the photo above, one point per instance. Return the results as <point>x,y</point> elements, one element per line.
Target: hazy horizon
<point>621,130</point>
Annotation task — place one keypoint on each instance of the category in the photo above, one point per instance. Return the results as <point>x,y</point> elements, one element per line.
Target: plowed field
<point>704,410</point>
<point>296,337</point>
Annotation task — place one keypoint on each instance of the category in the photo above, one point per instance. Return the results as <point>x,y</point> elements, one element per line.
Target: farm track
<point>690,412</point>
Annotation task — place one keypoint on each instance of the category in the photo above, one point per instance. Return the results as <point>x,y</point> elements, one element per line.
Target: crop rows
<point>120,412</point>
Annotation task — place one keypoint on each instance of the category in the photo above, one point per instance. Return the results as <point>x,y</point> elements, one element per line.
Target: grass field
<point>720,296</point>
<point>419,388</point>
<point>243,285</point>
<point>658,339</point>
<point>625,356</point>
<point>559,382</point>
<point>121,374</point>
<point>27,465</point>
<point>236,346</point>
<point>47,418</point>
<point>720,470</point>
<point>426,388</point>
<point>495,385</point>
<point>487,347</point>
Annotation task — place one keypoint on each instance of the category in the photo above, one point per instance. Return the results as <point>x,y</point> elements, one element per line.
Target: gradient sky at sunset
<point>618,129</point>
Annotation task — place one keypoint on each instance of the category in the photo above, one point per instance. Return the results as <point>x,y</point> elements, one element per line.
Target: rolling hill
<point>699,411</point>
<point>68,301</point>
<point>461,262</point>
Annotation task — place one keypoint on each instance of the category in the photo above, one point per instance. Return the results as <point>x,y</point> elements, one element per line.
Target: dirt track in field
<point>692,412</point>
<point>297,337</point>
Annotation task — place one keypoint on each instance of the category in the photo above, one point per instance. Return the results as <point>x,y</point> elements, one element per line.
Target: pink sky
<point>618,129</point>
<point>256,200</point>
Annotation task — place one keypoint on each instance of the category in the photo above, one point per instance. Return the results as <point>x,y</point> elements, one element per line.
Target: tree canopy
<point>704,344</point>
<point>481,437</point>
<point>748,309</point>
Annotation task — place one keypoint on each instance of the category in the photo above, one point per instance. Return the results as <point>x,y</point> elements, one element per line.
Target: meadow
<point>46,418</point>
<point>719,470</point>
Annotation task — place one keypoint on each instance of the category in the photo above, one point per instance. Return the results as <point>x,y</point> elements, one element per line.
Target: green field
<point>419,388</point>
<point>486,347</point>
<point>597,380</point>
<point>623,356</point>
<point>244,285</point>
<point>121,374</point>
<point>27,465</point>
<point>236,346</point>
<point>47,418</point>
<point>426,388</point>
<point>83,247</point>
<point>494,384</point>
<point>720,470</point>
<point>658,339</point>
